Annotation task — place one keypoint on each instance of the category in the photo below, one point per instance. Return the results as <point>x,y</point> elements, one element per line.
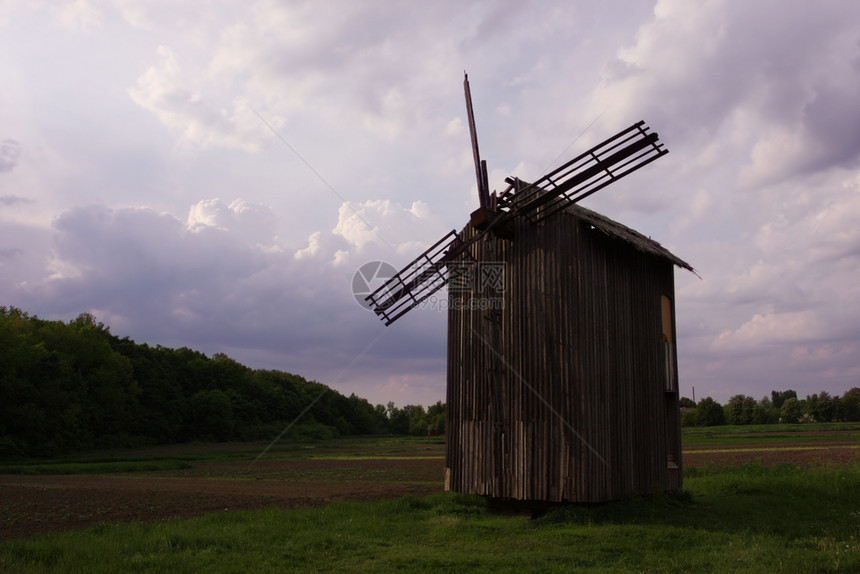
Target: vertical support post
<point>480,167</point>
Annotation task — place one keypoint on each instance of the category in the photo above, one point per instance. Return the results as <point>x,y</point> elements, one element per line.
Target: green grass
<point>125,462</point>
<point>123,466</point>
<point>782,433</point>
<point>745,519</point>
<point>161,459</point>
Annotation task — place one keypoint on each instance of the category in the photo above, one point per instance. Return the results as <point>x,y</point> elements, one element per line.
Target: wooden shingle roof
<point>621,232</point>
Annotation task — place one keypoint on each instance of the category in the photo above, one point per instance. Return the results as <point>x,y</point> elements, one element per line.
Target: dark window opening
<point>668,343</point>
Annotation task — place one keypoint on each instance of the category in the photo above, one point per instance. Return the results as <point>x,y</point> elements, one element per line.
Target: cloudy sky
<point>212,174</point>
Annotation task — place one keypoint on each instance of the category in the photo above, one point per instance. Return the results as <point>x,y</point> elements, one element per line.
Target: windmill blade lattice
<point>605,163</point>
<point>413,284</point>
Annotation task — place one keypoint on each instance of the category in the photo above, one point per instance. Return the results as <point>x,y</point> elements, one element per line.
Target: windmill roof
<point>618,231</point>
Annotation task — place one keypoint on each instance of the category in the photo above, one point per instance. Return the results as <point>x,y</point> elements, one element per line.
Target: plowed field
<point>31,505</point>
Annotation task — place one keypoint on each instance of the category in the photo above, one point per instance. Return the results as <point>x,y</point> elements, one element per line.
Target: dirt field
<point>37,504</point>
<point>32,505</point>
<point>835,452</point>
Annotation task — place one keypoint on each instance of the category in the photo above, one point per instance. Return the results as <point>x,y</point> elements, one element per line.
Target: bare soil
<point>31,505</point>
<point>815,454</point>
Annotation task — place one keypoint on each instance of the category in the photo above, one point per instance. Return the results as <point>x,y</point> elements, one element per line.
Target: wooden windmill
<point>562,363</point>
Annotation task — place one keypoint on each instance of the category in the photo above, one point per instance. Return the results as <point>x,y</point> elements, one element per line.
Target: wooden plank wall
<point>560,396</point>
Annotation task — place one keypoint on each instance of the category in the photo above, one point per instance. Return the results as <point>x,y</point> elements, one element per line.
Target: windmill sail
<point>413,284</point>
<point>623,153</point>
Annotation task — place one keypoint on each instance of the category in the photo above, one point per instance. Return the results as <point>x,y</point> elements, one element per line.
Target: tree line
<point>74,386</point>
<point>780,407</point>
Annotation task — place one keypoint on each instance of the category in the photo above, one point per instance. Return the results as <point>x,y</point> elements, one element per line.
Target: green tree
<point>813,407</point>
<point>381,415</point>
<point>766,412</point>
<point>741,410</point>
<point>690,418</point>
<point>685,402</point>
<point>436,418</point>
<point>398,420</point>
<point>364,417</point>
<point>71,386</point>
<point>826,407</point>
<point>791,411</point>
<point>838,410</point>
<point>417,419</point>
<point>851,405</point>
<point>710,413</point>
<point>212,415</point>
<point>779,397</point>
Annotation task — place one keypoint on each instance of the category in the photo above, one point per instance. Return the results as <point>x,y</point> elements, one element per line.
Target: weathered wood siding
<point>561,394</point>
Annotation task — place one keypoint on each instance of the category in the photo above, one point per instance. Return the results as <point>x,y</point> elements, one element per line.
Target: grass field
<point>761,515</point>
